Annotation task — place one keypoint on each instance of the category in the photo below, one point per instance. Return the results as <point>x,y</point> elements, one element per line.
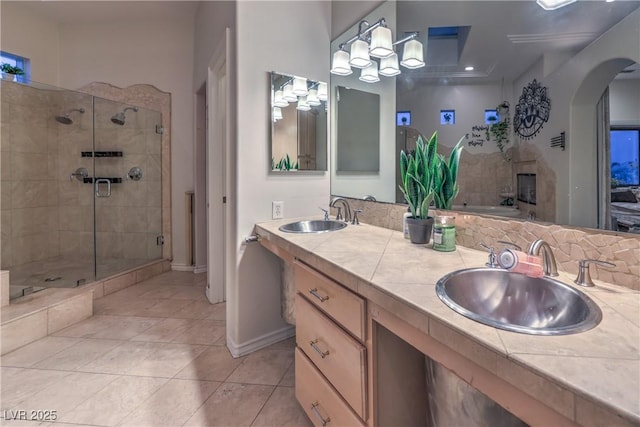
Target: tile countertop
<point>579,375</point>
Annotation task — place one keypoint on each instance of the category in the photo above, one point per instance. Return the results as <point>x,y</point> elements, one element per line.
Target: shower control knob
<point>135,174</point>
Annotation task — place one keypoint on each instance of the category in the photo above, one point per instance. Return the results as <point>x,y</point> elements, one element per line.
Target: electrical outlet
<point>277,210</point>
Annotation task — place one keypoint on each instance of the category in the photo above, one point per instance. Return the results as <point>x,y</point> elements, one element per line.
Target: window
<point>17,61</point>
<point>625,150</point>
<point>447,117</point>
<point>491,117</point>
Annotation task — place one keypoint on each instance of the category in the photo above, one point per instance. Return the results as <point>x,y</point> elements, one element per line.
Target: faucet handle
<point>326,213</point>
<point>355,220</point>
<point>504,242</point>
<point>584,277</point>
<point>492,263</point>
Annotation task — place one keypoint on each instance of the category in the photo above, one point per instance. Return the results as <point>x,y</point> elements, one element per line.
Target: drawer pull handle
<point>315,293</point>
<point>314,408</point>
<point>314,345</point>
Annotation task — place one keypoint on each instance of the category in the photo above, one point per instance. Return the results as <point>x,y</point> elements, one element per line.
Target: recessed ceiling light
<point>469,68</point>
<point>609,1</point>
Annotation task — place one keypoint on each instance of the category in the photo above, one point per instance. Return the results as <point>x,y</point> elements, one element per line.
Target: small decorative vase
<point>420,230</point>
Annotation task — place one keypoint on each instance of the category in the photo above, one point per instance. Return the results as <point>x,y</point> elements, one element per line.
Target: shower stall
<point>81,187</point>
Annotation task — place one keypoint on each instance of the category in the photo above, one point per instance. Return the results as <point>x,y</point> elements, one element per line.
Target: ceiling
<point>508,37</point>
<point>89,11</point>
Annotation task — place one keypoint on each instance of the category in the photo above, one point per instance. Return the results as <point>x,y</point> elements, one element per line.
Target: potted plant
<point>417,172</point>
<point>445,178</point>
<point>9,71</point>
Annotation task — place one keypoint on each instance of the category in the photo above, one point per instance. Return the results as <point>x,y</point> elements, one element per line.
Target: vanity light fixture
<point>312,98</point>
<point>374,43</point>
<point>323,93</point>
<point>300,86</point>
<point>278,100</point>
<point>369,74</point>
<point>277,114</point>
<point>469,68</point>
<point>303,105</point>
<point>287,93</point>
<point>553,4</point>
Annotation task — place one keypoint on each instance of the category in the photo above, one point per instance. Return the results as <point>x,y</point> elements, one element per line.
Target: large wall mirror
<point>576,165</point>
<point>298,124</point>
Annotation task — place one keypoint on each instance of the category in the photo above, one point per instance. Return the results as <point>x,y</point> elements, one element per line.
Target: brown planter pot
<point>420,230</point>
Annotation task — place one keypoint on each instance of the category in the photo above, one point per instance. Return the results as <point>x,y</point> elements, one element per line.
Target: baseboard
<point>182,267</point>
<point>200,269</point>
<point>239,350</point>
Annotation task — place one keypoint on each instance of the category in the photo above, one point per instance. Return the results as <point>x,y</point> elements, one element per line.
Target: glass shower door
<point>127,186</point>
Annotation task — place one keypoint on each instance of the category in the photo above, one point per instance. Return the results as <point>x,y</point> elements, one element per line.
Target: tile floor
<point>153,354</point>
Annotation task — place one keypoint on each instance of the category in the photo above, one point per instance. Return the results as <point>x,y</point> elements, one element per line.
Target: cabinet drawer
<point>338,356</point>
<point>320,401</point>
<point>344,306</point>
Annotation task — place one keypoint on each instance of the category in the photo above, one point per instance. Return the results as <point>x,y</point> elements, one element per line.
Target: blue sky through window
<point>625,151</point>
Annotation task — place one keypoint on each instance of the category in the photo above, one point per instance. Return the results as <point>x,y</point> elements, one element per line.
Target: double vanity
<point>372,334</point>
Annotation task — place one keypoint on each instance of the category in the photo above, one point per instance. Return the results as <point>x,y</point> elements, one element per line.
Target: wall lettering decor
<point>532,110</point>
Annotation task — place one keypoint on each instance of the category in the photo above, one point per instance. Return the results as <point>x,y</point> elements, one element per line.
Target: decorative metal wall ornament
<point>532,110</point>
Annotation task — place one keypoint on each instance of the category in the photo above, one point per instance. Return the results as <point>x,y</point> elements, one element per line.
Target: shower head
<point>65,119</point>
<point>119,118</point>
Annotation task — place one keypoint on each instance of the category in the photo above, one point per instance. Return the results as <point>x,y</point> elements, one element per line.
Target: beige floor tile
<point>111,404</point>
<point>201,310</point>
<point>231,405</point>
<point>190,292</point>
<point>164,331</point>
<point>78,355</point>
<point>124,307</point>
<point>120,359</point>
<point>37,351</point>
<point>159,292</point>
<point>166,360</point>
<point>172,405</point>
<point>215,364</point>
<point>15,419</point>
<point>164,308</point>
<point>68,392</point>
<point>289,378</point>
<point>18,384</point>
<point>289,344</point>
<point>124,328</point>
<point>207,332</point>
<point>282,410</point>
<point>266,366</point>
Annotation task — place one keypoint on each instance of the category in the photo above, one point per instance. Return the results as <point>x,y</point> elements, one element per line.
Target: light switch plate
<point>277,210</point>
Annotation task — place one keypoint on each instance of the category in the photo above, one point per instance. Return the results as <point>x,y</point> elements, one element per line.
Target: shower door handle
<point>103,181</point>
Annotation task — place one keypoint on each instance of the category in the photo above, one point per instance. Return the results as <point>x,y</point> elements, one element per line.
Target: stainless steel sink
<point>518,303</point>
<point>313,226</point>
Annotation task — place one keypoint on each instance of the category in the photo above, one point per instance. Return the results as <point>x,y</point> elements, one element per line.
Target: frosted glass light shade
<point>381,44</point>
<point>359,57</point>
<point>412,56</point>
<point>300,86</point>
<point>312,98</point>
<point>277,114</point>
<point>389,66</point>
<point>303,105</point>
<point>322,91</point>
<point>340,64</point>
<point>553,4</point>
<point>369,74</point>
<point>278,99</point>
<point>287,93</point>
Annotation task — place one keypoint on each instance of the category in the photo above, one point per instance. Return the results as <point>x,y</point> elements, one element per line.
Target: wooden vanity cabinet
<point>331,358</point>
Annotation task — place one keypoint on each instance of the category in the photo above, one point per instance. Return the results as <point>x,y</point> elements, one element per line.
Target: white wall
<point>292,38</point>
<point>26,33</point>
<point>624,101</point>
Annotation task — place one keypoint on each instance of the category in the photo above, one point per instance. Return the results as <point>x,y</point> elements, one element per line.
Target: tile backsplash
<point>569,244</point>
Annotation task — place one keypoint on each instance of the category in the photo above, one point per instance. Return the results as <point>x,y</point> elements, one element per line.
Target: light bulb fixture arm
<point>363,33</point>
<point>406,39</point>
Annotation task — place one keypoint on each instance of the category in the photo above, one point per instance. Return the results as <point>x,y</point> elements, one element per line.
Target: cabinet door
<point>320,401</point>
<point>339,303</point>
<point>338,356</point>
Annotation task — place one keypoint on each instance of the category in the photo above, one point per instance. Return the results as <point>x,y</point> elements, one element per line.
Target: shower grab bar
<point>103,181</point>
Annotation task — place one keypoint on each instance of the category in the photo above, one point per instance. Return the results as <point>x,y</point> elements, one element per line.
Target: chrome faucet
<point>549,265</point>
<point>347,208</point>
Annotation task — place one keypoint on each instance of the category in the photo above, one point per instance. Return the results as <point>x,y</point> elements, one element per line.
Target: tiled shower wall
<point>44,214</point>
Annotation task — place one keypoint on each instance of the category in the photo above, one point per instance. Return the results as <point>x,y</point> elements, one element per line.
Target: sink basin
<point>312,226</point>
<point>518,303</point>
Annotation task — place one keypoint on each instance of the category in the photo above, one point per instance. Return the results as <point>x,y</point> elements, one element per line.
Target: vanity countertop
<point>591,377</point>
